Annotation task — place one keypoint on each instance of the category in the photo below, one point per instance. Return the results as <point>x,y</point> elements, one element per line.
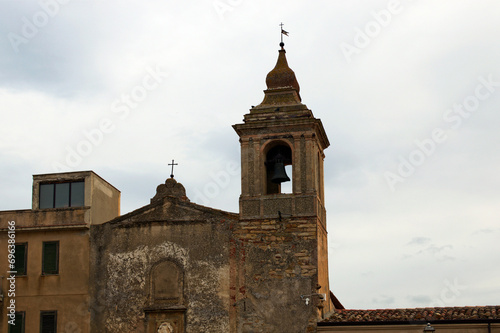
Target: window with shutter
<point>48,322</point>
<point>50,258</point>
<point>21,259</point>
<point>19,323</point>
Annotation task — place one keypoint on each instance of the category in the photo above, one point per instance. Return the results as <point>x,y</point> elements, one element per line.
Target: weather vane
<point>283,32</point>
<point>172,172</point>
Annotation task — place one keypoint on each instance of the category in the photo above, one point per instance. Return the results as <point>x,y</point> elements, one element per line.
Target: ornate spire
<point>282,76</point>
<point>282,86</point>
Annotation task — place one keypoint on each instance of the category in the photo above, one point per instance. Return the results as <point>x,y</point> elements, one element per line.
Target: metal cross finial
<point>172,172</point>
<point>283,32</point>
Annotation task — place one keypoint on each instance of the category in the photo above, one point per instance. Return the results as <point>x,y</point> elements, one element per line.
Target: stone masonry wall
<point>277,263</point>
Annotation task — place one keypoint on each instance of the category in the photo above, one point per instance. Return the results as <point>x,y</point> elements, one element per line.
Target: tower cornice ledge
<point>297,125</point>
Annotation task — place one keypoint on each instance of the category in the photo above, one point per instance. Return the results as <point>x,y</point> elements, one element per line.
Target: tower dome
<point>282,85</point>
<point>282,76</point>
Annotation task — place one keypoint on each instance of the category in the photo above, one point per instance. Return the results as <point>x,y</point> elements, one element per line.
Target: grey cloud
<point>420,300</point>
<point>383,300</point>
<point>433,249</point>
<point>419,241</point>
<point>484,231</point>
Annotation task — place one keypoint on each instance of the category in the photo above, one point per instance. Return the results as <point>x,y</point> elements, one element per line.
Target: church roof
<point>434,315</point>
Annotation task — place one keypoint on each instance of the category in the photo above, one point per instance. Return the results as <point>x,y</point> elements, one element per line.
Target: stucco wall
<point>45,218</point>
<point>66,292</point>
<point>104,199</point>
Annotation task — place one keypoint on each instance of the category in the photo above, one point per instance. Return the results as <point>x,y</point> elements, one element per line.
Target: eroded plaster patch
<point>129,271</point>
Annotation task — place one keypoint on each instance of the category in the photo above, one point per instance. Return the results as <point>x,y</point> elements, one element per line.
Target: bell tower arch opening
<point>278,160</point>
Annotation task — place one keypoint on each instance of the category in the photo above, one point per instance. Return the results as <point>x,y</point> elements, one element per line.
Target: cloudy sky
<point>408,92</point>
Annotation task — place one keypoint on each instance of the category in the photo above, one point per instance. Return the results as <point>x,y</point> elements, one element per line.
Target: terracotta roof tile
<point>417,314</point>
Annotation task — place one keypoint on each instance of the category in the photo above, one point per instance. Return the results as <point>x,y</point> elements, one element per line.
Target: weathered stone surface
<point>170,232</point>
<point>171,188</point>
<point>273,206</point>
<point>279,263</point>
<point>250,208</point>
<point>305,205</point>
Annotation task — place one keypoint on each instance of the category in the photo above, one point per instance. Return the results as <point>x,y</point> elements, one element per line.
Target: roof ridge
<point>447,313</point>
<point>427,307</point>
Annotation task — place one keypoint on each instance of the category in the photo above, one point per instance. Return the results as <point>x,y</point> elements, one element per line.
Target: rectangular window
<point>77,194</point>
<point>21,259</point>
<point>50,258</point>
<point>19,323</point>
<point>48,322</point>
<point>46,195</point>
<point>60,195</point>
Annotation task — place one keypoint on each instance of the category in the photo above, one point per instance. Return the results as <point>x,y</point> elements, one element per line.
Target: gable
<point>171,204</point>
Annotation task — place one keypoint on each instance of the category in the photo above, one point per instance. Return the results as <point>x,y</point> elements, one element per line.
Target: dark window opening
<point>48,322</point>
<point>60,195</point>
<point>21,259</point>
<point>278,159</point>
<point>50,258</point>
<point>19,323</point>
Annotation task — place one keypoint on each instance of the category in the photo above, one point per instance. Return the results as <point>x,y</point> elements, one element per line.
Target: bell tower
<point>281,240</point>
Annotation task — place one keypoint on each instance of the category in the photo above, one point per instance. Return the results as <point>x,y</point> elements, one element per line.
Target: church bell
<point>279,175</point>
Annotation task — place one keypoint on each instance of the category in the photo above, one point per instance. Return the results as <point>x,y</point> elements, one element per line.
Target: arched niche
<point>277,156</point>
<point>167,282</point>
